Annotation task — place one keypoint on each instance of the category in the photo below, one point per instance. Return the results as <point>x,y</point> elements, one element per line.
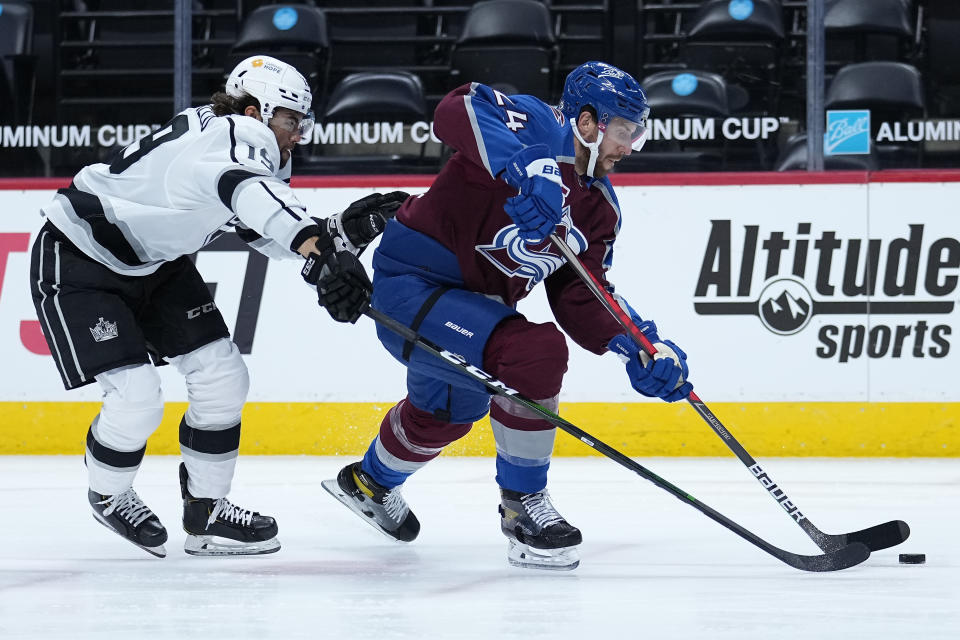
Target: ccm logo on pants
<point>196,311</point>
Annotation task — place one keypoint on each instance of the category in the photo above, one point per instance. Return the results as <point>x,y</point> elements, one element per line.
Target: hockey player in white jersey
<point>116,292</point>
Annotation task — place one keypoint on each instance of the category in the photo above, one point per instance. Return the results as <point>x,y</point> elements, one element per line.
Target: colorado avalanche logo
<point>558,116</point>
<point>610,72</point>
<point>514,257</point>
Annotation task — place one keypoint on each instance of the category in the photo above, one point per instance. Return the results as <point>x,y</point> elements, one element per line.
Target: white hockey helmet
<point>274,83</point>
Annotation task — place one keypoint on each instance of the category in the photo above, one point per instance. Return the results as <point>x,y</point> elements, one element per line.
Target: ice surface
<point>651,567</point>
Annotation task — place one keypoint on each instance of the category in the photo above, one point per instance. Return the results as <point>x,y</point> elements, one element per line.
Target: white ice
<point>651,566</point>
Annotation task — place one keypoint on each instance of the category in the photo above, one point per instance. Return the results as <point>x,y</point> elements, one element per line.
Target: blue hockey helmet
<point>612,93</point>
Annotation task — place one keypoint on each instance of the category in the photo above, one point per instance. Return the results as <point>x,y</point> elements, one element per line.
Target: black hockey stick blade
<point>877,537</point>
<point>842,558</point>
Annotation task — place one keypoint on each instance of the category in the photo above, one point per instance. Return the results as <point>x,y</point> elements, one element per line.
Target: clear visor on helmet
<point>625,132</point>
<point>296,123</point>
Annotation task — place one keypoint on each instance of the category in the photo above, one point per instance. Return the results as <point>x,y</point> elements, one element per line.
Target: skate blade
<point>158,551</point>
<point>212,546</point>
<point>526,557</point>
<point>333,488</point>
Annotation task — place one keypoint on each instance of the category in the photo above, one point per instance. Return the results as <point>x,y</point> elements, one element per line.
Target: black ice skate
<point>385,509</point>
<point>126,515</point>
<point>209,520</point>
<point>537,536</point>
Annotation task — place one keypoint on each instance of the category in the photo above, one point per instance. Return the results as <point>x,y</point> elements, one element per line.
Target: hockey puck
<point>912,558</point>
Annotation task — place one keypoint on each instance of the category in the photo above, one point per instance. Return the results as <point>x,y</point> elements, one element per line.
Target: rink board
<point>772,429</point>
<point>819,313</point>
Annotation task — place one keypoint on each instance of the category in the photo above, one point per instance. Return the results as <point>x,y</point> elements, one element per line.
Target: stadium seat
<point>793,157</point>
<point>874,16</point>
<point>678,95</point>
<point>942,56</point>
<point>17,63</point>
<point>294,33</point>
<point>374,33</point>
<point>741,40</point>
<point>686,92</point>
<point>887,86</point>
<point>893,92</point>
<point>375,98</point>
<point>743,20</point>
<point>860,31</point>
<point>393,95</point>
<point>508,44</point>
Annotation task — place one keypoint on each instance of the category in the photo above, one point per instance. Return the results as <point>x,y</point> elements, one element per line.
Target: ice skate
<point>126,515</point>
<point>216,527</point>
<point>384,509</point>
<point>537,536</point>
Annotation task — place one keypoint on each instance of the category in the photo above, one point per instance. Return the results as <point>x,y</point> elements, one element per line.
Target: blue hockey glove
<point>539,206</point>
<point>664,376</point>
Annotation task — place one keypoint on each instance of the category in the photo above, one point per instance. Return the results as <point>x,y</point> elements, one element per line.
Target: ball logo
<point>785,306</point>
<point>848,132</point>
<point>257,63</point>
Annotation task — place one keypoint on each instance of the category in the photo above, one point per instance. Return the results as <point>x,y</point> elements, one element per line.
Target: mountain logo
<point>785,306</point>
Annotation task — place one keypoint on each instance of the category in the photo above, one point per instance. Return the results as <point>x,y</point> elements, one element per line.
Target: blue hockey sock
<point>521,478</point>
<point>381,473</point>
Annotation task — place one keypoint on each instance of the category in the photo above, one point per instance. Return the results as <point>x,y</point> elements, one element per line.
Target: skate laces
<point>540,509</point>
<point>230,513</point>
<point>394,504</point>
<point>129,506</point>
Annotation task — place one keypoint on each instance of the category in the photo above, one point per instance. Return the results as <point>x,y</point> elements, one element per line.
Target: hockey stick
<point>877,537</point>
<point>842,558</point>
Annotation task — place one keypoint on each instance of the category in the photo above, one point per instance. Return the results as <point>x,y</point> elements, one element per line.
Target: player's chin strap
<point>594,147</point>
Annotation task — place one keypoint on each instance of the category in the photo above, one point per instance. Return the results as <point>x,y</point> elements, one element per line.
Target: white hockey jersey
<point>172,192</point>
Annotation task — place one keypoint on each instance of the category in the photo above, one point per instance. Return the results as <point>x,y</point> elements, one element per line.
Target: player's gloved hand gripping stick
<point>538,206</point>
<point>842,558</point>
<point>662,376</point>
<point>878,537</point>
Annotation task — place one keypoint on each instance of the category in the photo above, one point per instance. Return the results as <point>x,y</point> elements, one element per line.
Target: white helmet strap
<point>593,147</point>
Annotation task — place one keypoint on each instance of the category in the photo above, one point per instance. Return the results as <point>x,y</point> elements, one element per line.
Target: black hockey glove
<point>343,288</point>
<point>365,219</point>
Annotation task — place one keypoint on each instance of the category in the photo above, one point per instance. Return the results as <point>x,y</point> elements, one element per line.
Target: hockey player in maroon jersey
<point>454,264</point>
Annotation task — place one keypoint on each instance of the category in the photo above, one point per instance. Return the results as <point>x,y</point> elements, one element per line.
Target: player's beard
<point>284,157</point>
<point>601,170</point>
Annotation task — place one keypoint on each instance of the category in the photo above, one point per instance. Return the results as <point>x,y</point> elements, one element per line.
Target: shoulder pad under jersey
<point>251,132</point>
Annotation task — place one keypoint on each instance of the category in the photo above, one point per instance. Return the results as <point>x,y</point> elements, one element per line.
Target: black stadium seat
<point>17,63</point>
<point>872,16</point>
<point>885,86</point>
<point>681,94</point>
<point>793,157</point>
<point>859,31</point>
<point>687,92</point>
<point>389,95</point>
<point>893,92</point>
<point>741,40</point>
<point>375,98</point>
<point>294,33</point>
<point>508,44</point>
